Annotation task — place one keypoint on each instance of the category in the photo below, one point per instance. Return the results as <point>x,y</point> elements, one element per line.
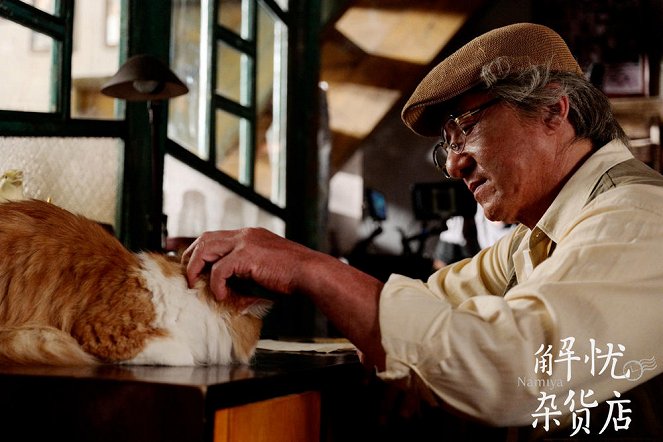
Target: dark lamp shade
<point>144,78</point>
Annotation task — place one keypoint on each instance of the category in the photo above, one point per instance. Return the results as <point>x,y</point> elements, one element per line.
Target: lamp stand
<point>156,216</point>
<point>145,78</point>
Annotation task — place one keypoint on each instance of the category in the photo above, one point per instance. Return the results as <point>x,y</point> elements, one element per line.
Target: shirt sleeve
<point>477,351</point>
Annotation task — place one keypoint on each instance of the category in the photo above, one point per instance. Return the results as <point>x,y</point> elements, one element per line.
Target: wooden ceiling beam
<point>376,53</point>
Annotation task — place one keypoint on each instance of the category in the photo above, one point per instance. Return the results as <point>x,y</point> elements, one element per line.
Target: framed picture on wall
<point>627,78</point>
<point>615,41</point>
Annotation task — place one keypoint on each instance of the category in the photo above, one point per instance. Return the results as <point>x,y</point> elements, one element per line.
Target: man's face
<point>508,162</point>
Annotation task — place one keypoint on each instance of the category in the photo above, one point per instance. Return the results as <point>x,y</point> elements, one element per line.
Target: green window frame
<point>146,28</point>
<point>59,27</point>
<point>230,109</point>
<point>57,120</point>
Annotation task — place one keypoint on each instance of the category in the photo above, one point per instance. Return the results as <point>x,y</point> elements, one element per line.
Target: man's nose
<point>459,165</point>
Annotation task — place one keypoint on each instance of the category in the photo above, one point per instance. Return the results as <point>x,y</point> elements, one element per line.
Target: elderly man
<point>558,316</point>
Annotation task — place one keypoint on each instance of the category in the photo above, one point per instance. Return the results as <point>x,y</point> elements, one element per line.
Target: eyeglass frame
<point>455,147</point>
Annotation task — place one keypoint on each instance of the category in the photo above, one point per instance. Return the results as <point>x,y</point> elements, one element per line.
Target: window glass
<point>283,4</point>
<point>44,5</point>
<point>95,57</point>
<point>234,15</point>
<point>26,81</point>
<point>230,137</point>
<point>232,79</point>
<point>271,127</point>
<point>242,145</point>
<point>195,203</point>
<point>186,117</point>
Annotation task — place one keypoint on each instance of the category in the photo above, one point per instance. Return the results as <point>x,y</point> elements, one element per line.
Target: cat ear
<point>257,307</point>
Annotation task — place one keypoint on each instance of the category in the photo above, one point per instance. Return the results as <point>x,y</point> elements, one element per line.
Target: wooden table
<point>280,396</point>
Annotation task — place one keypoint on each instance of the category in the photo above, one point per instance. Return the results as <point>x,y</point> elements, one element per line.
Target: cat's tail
<point>40,345</point>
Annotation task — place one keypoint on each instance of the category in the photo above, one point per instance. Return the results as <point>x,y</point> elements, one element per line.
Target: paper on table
<point>318,347</point>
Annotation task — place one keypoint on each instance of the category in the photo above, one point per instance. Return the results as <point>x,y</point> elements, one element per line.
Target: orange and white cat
<point>71,294</point>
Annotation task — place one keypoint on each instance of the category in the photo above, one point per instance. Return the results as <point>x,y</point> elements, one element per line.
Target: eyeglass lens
<point>453,138</point>
<point>440,157</point>
<point>453,135</point>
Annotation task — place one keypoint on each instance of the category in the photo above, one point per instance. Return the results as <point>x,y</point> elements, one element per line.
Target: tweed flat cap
<point>522,44</point>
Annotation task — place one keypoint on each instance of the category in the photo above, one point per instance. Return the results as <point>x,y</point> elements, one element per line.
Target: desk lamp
<point>145,78</point>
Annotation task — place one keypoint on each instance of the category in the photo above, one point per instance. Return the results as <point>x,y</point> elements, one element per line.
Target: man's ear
<point>557,113</point>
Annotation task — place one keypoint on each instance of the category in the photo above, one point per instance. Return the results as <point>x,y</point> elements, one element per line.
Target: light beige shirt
<point>485,353</point>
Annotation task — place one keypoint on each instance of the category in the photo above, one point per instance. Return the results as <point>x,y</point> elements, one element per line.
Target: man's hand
<point>248,254</point>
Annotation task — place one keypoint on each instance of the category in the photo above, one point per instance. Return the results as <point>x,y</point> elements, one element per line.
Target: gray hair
<point>530,91</point>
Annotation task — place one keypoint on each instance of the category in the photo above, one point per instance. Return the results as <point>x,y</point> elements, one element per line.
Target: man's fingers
<point>217,249</point>
<point>186,256</point>
<point>195,263</point>
<point>199,254</point>
<point>218,281</point>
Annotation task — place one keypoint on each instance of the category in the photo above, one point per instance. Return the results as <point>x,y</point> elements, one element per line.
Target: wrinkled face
<point>507,161</point>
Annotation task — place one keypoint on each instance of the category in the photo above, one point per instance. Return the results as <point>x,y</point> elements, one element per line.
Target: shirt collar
<point>573,196</point>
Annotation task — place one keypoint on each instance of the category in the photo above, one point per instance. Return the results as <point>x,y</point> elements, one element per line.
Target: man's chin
<point>492,213</point>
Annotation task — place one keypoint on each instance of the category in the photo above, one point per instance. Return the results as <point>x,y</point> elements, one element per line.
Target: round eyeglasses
<point>457,128</point>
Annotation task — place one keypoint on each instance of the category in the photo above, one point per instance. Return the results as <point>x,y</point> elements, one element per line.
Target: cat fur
<point>71,294</point>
